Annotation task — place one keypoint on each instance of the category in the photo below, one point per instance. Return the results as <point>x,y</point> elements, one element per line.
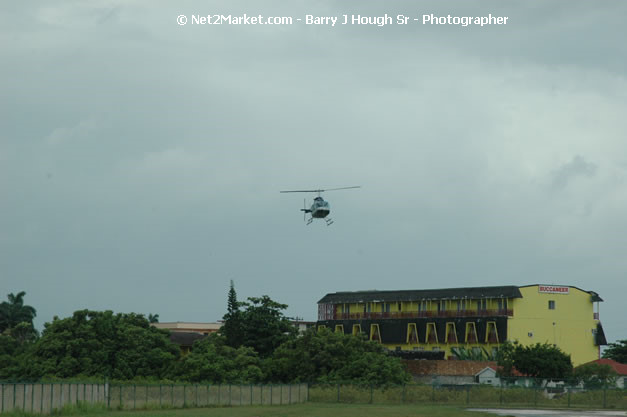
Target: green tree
<point>327,357</point>
<point>264,327</point>
<point>153,318</point>
<point>594,375</point>
<point>102,344</point>
<point>617,351</point>
<point>212,360</point>
<point>232,327</point>
<point>538,361</point>
<point>17,318</point>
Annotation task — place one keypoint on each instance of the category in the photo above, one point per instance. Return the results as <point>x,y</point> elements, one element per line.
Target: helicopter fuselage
<point>320,208</point>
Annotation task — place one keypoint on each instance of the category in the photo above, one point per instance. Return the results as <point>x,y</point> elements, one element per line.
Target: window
<point>387,307</point>
<point>399,307</point>
<point>551,304</point>
<point>369,306</point>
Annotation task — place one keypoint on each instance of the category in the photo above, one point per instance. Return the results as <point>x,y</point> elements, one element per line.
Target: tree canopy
<point>538,361</point>
<point>212,360</point>
<point>617,351</point>
<point>324,356</point>
<point>102,344</point>
<point>16,318</point>
<point>232,327</point>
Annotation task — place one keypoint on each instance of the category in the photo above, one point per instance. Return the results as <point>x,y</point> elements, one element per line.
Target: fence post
<point>289,396</point>
<point>501,395</point>
<point>2,400</point>
<point>184,392</point>
<point>51,396</point>
<point>281,395</point>
<point>230,395</point>
<point>121,404</point>
<point>535,395</point>
<point>371,392</point>
<point>270,394</point>
<point>14,393</point>
<point>251,394</point>
<point>467,394</point>
<point>432,392</point>
<point>41,400</point>
<point>108,385</point>
<point>172,395</point>
<point>604,396</point>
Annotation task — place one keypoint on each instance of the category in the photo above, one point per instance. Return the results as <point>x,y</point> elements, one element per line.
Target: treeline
<point>257,344</point>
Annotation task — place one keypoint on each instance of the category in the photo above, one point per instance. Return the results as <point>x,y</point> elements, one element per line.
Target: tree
<point>264,327</point>
<point>617,351</point>
<point>153,318</point>
<point>538,361</point>
<point>327,357</point>
<point>14,312</point>
<point>101,344</point>
<point>212,360</point>
<point>594,375</point>
<point>232,327</point>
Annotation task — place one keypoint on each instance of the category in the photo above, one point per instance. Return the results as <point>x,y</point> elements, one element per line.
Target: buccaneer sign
<point>551,289</point>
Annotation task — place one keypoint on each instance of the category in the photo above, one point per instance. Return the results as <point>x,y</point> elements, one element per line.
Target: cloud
<point>568,172</point>
<point>81,131</point>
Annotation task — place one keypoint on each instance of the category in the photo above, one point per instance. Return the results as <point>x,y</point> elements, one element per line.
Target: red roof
<point>620,368</point>
<point>450,367</point>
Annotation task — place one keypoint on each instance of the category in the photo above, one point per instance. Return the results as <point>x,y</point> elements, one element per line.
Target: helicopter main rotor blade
<point>341,188</point>
<point>320,191</point>
<point>302,191</point>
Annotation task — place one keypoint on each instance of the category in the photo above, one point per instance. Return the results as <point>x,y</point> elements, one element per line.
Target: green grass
<point>296,410</point>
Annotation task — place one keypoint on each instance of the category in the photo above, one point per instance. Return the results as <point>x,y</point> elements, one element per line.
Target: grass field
<point>296,410</point>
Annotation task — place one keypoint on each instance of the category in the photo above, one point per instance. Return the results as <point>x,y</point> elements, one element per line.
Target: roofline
<point>423,289</point>
<point>595,296</point>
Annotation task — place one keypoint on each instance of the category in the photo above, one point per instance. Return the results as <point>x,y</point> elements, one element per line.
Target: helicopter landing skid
<point>309,221</point>
<point>329,221</point>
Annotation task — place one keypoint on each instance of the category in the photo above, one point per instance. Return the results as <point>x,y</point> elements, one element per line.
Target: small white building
<point>487,376</point>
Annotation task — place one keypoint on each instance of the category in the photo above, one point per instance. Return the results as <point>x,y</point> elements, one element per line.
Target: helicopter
<point>320,209</point>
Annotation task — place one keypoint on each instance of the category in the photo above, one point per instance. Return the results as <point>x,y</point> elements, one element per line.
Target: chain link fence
<point>557,396</point>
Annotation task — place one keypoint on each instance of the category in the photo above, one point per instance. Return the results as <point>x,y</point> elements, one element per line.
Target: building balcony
<point>424,314</point>
<point>595,316</point>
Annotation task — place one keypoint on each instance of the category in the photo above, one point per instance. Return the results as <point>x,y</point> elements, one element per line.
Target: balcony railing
<point>424,314</point>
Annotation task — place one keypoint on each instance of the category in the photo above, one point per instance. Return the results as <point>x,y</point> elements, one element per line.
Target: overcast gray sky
<point>141,160</point>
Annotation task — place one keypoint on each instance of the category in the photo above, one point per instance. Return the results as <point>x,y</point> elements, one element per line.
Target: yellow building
<point>473,318</point>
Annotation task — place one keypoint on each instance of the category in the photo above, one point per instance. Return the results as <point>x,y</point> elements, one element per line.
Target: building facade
<point>475,318</point>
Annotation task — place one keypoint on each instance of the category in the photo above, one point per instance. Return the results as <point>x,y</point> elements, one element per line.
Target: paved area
<point>551,413</point>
